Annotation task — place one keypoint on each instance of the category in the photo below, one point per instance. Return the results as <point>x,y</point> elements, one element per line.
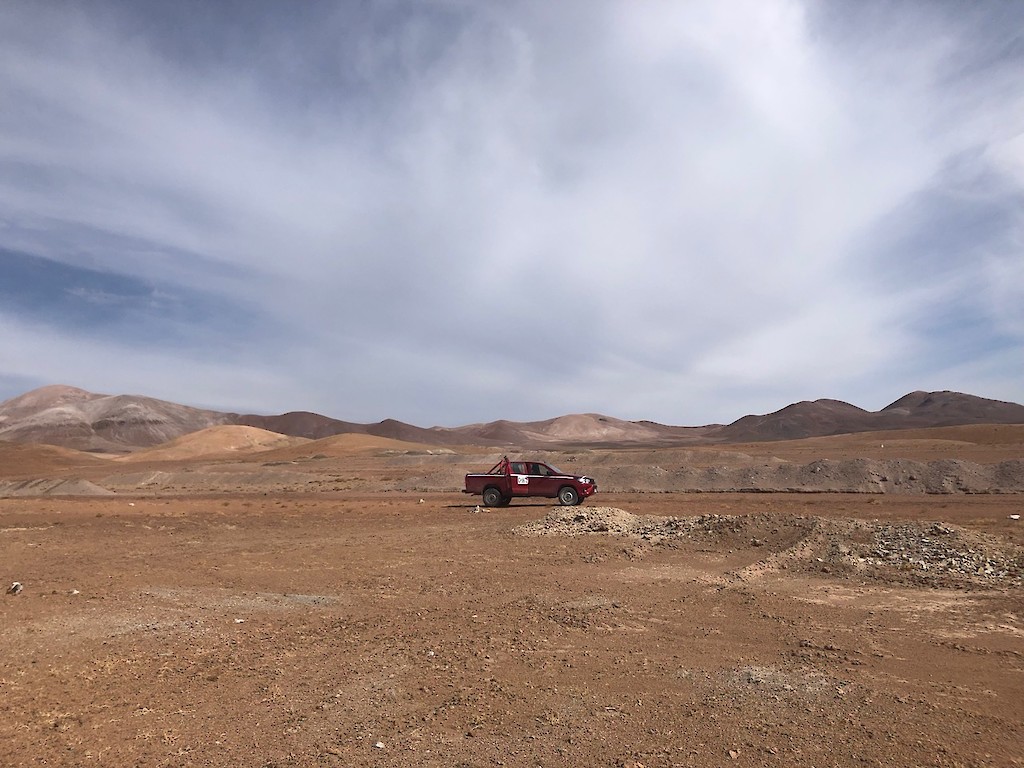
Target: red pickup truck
<point>510,479</point>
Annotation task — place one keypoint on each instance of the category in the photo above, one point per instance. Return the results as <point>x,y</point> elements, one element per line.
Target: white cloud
<point>465,212</point>
<point>31,351</point>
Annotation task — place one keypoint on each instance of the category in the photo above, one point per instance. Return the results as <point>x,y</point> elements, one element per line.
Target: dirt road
<point>379,630</point>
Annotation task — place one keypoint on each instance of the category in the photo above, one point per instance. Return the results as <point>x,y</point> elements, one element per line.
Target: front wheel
<point>492,497</point>
<point>567,496</point>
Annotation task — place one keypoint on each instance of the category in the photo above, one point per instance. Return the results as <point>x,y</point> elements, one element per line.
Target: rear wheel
<point>567,496</point>
<point>492,497</point>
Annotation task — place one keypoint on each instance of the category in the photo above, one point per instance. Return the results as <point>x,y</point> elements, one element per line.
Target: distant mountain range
<point>916,410</point>
<point>74,418</point>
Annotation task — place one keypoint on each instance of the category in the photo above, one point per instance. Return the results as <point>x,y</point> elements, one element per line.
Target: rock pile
<point>932,554</point>
<point>579,521</point>
<point>945,549</point>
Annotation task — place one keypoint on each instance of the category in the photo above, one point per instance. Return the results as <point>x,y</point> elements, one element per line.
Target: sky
<point>455,211</point>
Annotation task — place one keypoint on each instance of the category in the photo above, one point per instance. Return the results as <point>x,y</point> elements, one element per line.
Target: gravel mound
<point>928,554</point>
<point>578,521</point>
<point>944,549</point>
<point>753,530</point>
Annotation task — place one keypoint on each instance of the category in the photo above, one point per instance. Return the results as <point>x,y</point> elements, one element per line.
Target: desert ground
<point>243,602</point>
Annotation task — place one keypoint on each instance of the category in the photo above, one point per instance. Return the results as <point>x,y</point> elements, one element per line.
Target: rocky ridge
<point>825,476</point>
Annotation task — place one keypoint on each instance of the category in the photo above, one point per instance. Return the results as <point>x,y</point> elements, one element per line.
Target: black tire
<point>505,501</point>
<point>492,497</point>
<point>567,496</point>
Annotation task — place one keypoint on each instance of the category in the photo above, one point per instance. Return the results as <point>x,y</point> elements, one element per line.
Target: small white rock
<point>239,621</point>
<point>379,745</point>
<point>1015,517</point>
<point>15,588</point>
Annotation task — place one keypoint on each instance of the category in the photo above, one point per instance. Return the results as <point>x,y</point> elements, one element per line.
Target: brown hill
<point>580,429</point>
<point>833,417</point>
<point>33,460</point>
<point>299,424</point>
<point>804,419</point>
<point>344,445</point>
<point>945,409</point>
<point>398,430</point>
<point>222,440</point>
<point>315,426</point>
<point>37,400</point>
<point>71,417</point>
<point>77,419</point>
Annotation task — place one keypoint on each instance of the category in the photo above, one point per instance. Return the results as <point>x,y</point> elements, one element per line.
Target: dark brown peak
<point>832,417</point>
<point>503,430</point>
<point>908,400</point>
<point>946,401</point>
<point>671,427</point>
<point>540,424</point>
<point>839,404</point>
<point>822,404</point>
<point>410,433</point>
<point>300,424</point>
<point>393,423</point>
<point>576,417</point>
<point>496,426</point>
<point>394,429</point>
<point>292,415</point>
<point>905,404</point>
<point>803,419</point>
<point>919,398</point>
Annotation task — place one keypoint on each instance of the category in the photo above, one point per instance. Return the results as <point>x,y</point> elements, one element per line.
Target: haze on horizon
<point>449,212</point>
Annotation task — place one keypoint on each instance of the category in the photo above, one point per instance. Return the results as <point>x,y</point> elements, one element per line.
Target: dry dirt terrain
<point>342,604</point>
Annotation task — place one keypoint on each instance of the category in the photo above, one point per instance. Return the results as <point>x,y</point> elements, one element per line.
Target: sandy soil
<point>341,604</point>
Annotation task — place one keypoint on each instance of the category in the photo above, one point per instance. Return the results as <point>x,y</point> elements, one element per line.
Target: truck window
<point>519,468</point>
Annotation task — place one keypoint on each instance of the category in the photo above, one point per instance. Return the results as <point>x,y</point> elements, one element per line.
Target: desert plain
<point>233,599</point>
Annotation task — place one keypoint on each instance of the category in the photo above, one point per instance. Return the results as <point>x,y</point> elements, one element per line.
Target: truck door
<point>541,481</point>
<point>519,478</point>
